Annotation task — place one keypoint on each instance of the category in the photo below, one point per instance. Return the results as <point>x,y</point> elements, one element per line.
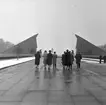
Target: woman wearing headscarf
<point>45,59</point>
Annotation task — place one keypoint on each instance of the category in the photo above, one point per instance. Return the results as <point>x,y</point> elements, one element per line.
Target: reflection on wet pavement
<point>31,86</point>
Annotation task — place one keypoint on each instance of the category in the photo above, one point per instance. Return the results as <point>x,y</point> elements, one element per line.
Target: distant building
<point>86,48</point>
<point>28,46</point>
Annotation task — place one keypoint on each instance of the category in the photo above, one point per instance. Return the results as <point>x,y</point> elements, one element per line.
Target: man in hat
<point>49,59</point>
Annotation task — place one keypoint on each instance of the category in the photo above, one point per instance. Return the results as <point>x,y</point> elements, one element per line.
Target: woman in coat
<point>37,59</point>
<point>63,60</point>
<point>54,60</point>
<point>45,59</point>
<point>49,59</point>
<point>78,59</point>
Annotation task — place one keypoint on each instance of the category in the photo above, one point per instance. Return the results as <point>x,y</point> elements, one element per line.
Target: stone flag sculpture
<point>88,49</point>
<point>28,46</point>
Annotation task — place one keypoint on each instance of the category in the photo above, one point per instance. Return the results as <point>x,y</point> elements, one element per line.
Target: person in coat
<point>45,59</point>
<point>63,60</point>
<point>37,59</point>
<point>72,55</point>
<point>104,58</point>
<point>78,57</point>
<point>67,59</point>
<point>49,59</point>
<point>100,58</point>
<point>71,60</point>
<point>54,60</point>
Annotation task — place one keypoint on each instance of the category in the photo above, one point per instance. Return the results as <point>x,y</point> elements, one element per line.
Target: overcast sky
<point>54,20</point>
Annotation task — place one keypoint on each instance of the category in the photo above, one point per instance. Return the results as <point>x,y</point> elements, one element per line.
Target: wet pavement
<point>23,84</point>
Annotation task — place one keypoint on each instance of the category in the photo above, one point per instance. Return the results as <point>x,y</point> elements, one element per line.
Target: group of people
<point>102,57</point>
<point>49,58</point>
<point>68,59</point>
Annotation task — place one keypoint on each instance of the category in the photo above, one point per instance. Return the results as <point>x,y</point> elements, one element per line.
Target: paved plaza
<point>24,85</point>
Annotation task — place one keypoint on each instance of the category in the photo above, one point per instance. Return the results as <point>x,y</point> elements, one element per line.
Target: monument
<point>28,46</point>
<point>88,49</point>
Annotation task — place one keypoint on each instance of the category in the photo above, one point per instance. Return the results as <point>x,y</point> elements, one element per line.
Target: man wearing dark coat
<point>37,59</point>
<point>104,58</point>
<point>100,58</point>
<point>68,59</point>
<point>54,60</point>
<point>49,59</point>
<point>71,60</point>
<point>78,59</point>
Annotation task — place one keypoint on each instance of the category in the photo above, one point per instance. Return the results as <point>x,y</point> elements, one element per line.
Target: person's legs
<point>79,64</point>
<point>37,66</point>
<point>55,65</point>
<point>45,63</point>
<point>63,67</point>
<point>100,61</point>
<point>71,66</point>
<point>45,66</point>
<point>49,67</point>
